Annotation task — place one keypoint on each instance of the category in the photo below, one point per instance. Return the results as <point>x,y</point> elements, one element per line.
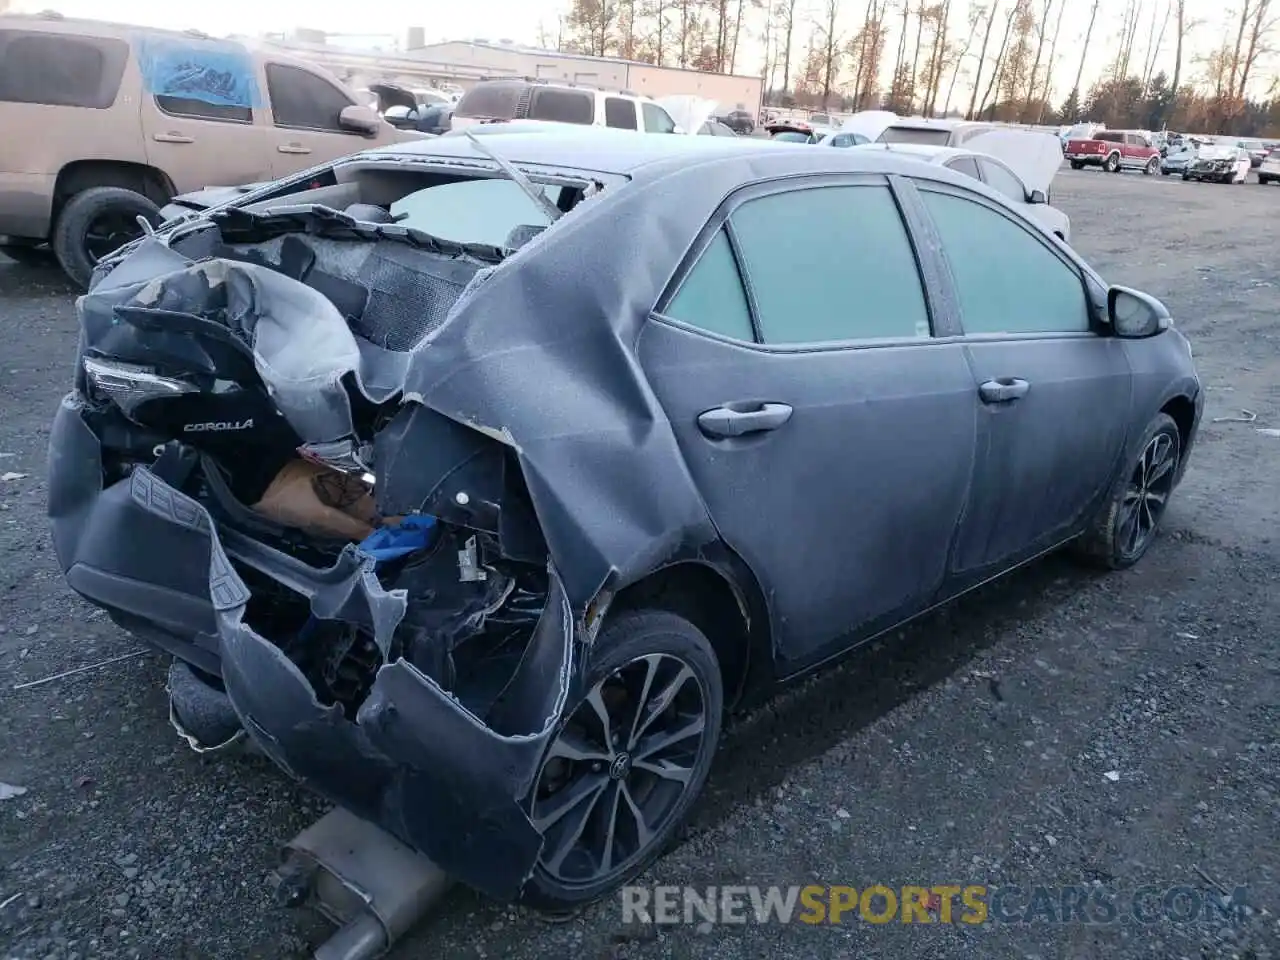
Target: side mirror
<point>1135,315</point>
<point>1037,196</point>
<point>359,120</point>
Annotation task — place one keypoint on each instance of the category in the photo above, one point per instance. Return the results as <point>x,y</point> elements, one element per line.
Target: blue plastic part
<point>413,533</point>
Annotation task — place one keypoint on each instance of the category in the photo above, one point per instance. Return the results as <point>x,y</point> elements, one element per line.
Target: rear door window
<point>620,113</point>
<point>966,165</point>
<point>831,264</point>
<point>1002,180</point>
<point>208,80</point>
<point>304,100</point>
<point>59,71</point>
<point>562,106</point>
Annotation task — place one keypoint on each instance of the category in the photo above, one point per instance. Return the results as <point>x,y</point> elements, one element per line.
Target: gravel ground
<point>1058,728</point>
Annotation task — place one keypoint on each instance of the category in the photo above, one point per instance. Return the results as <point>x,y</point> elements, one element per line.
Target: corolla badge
<point>218,425</point>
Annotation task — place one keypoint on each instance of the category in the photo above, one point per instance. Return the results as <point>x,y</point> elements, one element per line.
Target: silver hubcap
<point>615,773</point>
<point>1147,494</point>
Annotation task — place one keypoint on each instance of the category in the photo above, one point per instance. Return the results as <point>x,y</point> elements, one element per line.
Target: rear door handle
<point>293,148</point>
<point>1003,390</point>
<point>735,420</point>
<point>172,137</point>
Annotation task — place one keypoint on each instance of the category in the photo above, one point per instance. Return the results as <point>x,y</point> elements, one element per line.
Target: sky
<point>519,20</point>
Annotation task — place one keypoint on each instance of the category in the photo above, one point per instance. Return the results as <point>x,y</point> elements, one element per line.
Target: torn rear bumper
<point>414,761</point>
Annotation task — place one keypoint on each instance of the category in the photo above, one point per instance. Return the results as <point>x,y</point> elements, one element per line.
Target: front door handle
<point>737,419</point>
<point>293,148</point>
<point>1003,390</point>
<point>172,137</point>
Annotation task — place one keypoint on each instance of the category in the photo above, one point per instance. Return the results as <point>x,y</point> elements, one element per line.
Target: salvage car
<point>441,470</point>
<point>1219,163</point>
<point>1018,164</point>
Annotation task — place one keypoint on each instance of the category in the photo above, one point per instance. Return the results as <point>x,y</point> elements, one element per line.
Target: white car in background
<point>1018,164</point>
<point>1269,169</point>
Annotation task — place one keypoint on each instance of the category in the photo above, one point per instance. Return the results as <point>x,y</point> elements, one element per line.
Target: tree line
<point>981,59</point>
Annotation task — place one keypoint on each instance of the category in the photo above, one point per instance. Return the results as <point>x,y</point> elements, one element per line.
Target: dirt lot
<point>974,749</point>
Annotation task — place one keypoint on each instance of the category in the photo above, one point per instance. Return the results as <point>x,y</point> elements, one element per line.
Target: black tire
<point>1108,542</point>
<point>76,234</point>
<point>1186,176</point>
<point>29,255</point>
<point>1263,181</point>
<point>1164,172</point>
<point>1112,163</point>
<point>630,642</point>
<point>1077,165</point>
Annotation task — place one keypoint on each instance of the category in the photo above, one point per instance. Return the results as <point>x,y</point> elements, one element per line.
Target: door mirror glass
<point>1037,196</point>
<point>1135,314</point>
<point>359,119</point>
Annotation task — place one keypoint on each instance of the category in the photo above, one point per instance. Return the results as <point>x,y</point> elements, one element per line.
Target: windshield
<point>926,135</point>
<point>791,136</point>
<point>473,211</point>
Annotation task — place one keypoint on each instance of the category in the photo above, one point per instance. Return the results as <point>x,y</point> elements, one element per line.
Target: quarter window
<point>831,264</point>
<point>304,100</point>
<point>1006,279</point>
<point>562,106</point>
<point>657,120</point>
<point>59,71</point>
<point>620,113</point>
<point>711,296</point>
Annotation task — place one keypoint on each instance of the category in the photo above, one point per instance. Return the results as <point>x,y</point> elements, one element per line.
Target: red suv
<point>1114,150</point>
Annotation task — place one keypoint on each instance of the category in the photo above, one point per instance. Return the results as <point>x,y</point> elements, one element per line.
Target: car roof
<point>930,153</point>
<point>649,156</point>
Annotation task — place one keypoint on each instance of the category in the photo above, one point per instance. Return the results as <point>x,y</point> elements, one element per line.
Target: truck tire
<point>1077,165</point>
<point>96,222</point>
<point>1152,166</point>
<point>1112,163</point>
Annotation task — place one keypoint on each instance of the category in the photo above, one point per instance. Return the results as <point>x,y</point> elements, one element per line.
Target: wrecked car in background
<point>441,471</point>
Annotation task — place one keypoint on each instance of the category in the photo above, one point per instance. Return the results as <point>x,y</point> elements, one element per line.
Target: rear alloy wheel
<point>1127,524</point>
<point>1152,167</point>
<point>628,760</point>
<point>95,223</point>
<point>1112,163</point>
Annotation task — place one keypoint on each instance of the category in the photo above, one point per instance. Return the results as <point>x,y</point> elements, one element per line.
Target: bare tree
<point>866,50</point>
<point>975,17</point>
<point>982,56</point>
<point>1084,47</point>
<point>1041,31</point>
<point>787,24</point>
<point>830,49</point>
<point>1153,49</point>
<point>1260,25</point>
<point>1048,72</point>
<point>593,23</point>
<point>940,15</point>
<point>998,73</point>
<point>1180,11</point>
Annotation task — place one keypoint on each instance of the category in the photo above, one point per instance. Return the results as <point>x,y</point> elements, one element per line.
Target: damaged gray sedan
<point>473,479</point>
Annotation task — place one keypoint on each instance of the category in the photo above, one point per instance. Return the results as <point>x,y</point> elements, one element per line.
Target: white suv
<point>495,100</point>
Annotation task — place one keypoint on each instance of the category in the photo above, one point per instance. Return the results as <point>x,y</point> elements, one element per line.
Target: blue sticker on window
<point>210,72</point>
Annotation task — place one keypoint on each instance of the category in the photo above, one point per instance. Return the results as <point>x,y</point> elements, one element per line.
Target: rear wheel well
<point>85,174</point>
<point>1183,412</point>
<point>704,596</point>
